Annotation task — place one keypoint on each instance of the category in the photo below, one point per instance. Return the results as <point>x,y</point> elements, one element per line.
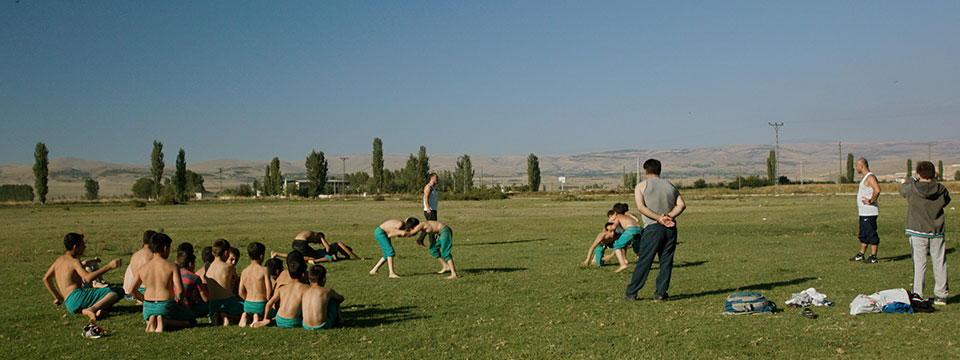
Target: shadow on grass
<point>118,310</point>
<point>361,316</point>
<point>502,242</point>
<point>498,270</point>
<point>760,286</point>
<point>909,256</point>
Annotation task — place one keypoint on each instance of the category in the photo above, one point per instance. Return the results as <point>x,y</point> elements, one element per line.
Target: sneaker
<point>659,298</point>
<point>939,301</point>
<point>859,257</point>
<point>872,259</point>
<point>92,331</point>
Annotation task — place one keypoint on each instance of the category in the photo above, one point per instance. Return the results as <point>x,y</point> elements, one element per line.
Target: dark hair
<point>320,235</point>
<point>410,223</point>
<point>147,235</point>
<point>296,267</point>
<point>220,248</point>
<point>651,166</point>
<point>621,208</point>
<point>184,247</point>
<point>607,224</point>
<point>256,250</point>
<point>292,257</point>
<point>433,175</point>
<point>207,254</point>
<point>317,273</point>
<point>610,212</point>
<point>71,240</point>
<point>235,252</point>
<point>274,266</point>
<point>864,161</point>
<point>159,241</point>
<point>926,170</point>
<point>185,258</point>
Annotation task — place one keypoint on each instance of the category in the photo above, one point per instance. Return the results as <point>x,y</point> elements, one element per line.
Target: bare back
<point>626,220</point>
<point>254,283</point>
<point>137,260</point>
<point>315,301</point>
<point>159,277</point>
<point>220,278</point>
<point>430,227</point>
<point>65,271</point>
<point>392,228</point>
<point>291,297</point>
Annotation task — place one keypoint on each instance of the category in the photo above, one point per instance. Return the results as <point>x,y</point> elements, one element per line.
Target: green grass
<point>522,293</point>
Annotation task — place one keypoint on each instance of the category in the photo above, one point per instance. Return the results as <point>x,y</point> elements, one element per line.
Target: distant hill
<point>820,161</point>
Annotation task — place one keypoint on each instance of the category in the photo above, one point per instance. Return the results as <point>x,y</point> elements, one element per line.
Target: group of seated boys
<point>174,296</point>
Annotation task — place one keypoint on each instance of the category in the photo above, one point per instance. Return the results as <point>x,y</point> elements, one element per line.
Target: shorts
<point>443,245</point>
<point>228,305</point>
<point>868,230</point>
<point>285,323</point>
<point>384,241</point>
<point>333,311</point>
<point>169,309</point>
<point>80,299</point>
<point>630,236</point>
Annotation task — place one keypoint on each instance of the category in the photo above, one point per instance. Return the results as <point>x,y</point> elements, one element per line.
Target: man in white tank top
<point>868,211</point>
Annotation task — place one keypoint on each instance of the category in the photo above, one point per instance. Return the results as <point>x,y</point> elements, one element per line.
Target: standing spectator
<point>429,206</point>
<point>868,211</point>
<point>926,199</point>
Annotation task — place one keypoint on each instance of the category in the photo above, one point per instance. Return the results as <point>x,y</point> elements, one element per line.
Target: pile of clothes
<point>894,301</point>
<point>809,297</point>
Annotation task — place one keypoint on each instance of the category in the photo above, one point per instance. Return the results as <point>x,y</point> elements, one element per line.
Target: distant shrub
<point>20,192</point>
<point>138,203</point>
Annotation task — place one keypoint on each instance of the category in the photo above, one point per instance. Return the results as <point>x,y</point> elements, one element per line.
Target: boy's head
<point>74,242</point>
<point>926,171</point>
<point>296,266</point>
<point>610,212</point>
<point>160,244</point>
<point>410,223</point>
<point>316,237</point>
<point>186,260</point>
<point>620,208</point>
<point>608,226</point>
<point>255,250</point>
<point>147,235</point>
<point>317,275</point>
<point>233,255</point>
<point>651,167</point>
<point>185,248</point>
<point>434,178</point>
<point>220,249</point>
<point>274,267</point>
<point>207,254</point>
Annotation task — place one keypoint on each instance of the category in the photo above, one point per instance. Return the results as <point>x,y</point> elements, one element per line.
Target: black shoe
<point>630,298</point>
<point>859,257</point>
<point>659,298</point>
<point>872,259</point>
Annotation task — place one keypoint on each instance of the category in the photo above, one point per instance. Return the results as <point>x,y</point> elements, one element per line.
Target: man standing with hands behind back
<point>660,203</point>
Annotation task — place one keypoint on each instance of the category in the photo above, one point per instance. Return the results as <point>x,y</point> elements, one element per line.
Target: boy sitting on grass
<point>289,297</point>
<point>69,274</point>
<point>161,302</point>
<point>388,230</point>
<point>140,257</point>
<point>441,248</point>
<point>206,255</point>
<point>194,291</point>
<point>321,306</point>
<point>221,276</point>
<point>256,286</point>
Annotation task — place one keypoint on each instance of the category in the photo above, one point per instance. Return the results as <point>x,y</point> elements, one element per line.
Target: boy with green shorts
<point>289,297</point>
<point>440,249</point>
<point>255,286</point>
<point>631,233</point>
<point>162,300</point>
<point>388,230</point>
<point>321,306</point>
<point>220,280</point>
<point>69,274</point>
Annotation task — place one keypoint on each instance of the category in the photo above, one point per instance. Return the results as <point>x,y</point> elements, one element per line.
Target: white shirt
<point>866,192</point>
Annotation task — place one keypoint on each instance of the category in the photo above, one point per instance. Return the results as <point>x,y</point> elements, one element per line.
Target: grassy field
<point>522,293</point>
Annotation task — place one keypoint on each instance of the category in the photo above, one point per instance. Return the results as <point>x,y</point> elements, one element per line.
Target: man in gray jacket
<point>926,199</point>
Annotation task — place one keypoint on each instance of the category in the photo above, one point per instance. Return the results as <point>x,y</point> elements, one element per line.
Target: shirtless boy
<point>388,230</point>
<point>321,306</point>
<point>289,297</point>
<point>440,249</point>
<point>631,232</point>
<point>605,239</point>
<point>137,260</point>
<point>256,286</point>
<point>329,252</point>
<point>206,255</point>
<point>220,277</point>
<point>161,302</point>
<point>69,274</point>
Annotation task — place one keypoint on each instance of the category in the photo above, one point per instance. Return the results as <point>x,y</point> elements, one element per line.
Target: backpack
<point>748,302</point>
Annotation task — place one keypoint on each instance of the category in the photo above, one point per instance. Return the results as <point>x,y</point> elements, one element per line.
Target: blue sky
<point>253,80</point>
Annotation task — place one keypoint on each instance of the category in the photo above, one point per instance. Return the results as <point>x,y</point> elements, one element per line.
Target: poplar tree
<point>316,173</point>
<point>533,172</point>
<point>156,167</point>
<point>377,165</point>
<point>180,176</point>
<point>41,171</point>
<point>850,170</point>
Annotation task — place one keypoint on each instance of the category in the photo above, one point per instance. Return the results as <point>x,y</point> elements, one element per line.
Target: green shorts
<point>598,254</point>
<point>80,299</point>
<point>333,311</point>
<point>256,307</point>
<point>285,323</point>
<point>629,236</point>
<point>443,245</point>
<point>384,241</point>
<point>200,309</point>
<point>169,309</point>
<point>228,305</point>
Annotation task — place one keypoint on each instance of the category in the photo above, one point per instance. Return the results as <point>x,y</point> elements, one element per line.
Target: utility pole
<point>221,180</point>
<point>739,177</point>
<point>801,172</point>
<point>776,161</point>
<point>343,160</point>
<point>481,176</point>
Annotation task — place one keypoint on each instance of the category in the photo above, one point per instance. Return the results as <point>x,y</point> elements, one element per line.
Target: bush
<point>16,193</point>
<point>143,188</point>
<point>138,203</point>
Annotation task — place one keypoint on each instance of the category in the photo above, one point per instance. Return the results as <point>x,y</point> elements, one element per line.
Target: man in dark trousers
<point>660,203</point>
<point>429,206</point>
